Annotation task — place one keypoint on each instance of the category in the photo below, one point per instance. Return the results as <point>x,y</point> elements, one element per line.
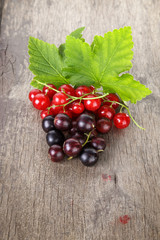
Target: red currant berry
<point>41,101</point>
<point>59,99</point>
<point>70,108</point>
<point>55,109</point>
<point>46,113</point>
<point>106,112</point>
<point>33,93</point>
<point>92,104</point>
<point>111,97</point>
<point>67,89</point>
<point>103,125</point>
<point>67,112</point>
<point>49,92</point>
<point>77,107</point>
<point>121,120</point>
<point>92,88</point>
<point>82,90</point>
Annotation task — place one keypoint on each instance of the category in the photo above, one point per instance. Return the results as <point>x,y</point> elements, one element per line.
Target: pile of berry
<point>72,119</point>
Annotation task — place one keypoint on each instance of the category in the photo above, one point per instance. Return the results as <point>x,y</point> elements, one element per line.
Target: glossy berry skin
<point>56,153</point>
<point>103,125</point>
<point>67,112</point>
<point>48,124</point>
<point>55,137</point>
<point>33,93</point>
<point>62,122</point>
<point>94,133</point>
<point>59,99</point>
<point>85,123</point>
<point>111,97</point>
<point>67,89</point>
<point>89,156</point>
<point>82,90</point>
<point>106,112</point>
<point>121,120</point>
<point>46,113</point>
<point>92,88</point>
<point>98,143</point>
<point>80,138</point>
<point>55,109</point>
<point>77,107</point>
<point>92,104</point>
<point>41,101</point>
<point>49,92</point>
<point>72,147</point>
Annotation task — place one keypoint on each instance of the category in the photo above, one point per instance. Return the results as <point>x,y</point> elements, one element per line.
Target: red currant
<point>121,120</point>
<point>49,92</point>
<point>69,107</point>
<point>33,93</point>
<point>111,97</point>
<point>106,112</point>
<point>55,109</point>
<point>59,99</point>
<point>82,90</point>
<point>92,104</point>
<point>77,107</point>
<point>46,113</point>
<point>41,101</point>
<point>92,88</point>
<point>67,89</point>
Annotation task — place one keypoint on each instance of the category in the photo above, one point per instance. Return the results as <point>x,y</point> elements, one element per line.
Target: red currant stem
<point>62,105</point>
<point>88,136</point>
<point>129,113</point>
<point>44,84</point>
<point>121,109</point>
<point>102,96</point>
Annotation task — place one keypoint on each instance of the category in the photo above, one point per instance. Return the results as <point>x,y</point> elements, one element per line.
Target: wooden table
<point>117,199</point>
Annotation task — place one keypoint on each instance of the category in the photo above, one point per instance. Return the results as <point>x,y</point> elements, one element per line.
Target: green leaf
<point>45,61</point>
<point>79,62</point>
<point>78,32</point>
<point>113,53</point>
<point>126,87</point>
<point>61,50</point>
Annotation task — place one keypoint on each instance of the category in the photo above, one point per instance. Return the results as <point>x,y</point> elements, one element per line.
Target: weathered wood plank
<point>41,200</point>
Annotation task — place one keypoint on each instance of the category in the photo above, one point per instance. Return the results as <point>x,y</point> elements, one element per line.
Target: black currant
<point>89,156</point>
<point>48,124</point>
<point>62,122</point>
<point>85,123</point>
<point>55,137</point>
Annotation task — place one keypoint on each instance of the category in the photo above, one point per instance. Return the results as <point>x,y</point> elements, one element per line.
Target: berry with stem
<point>48,90</point>
<point>106,112</point>
<point>121,120</point>
<point>41,101</point>
<point>68,89</point>
<point>114,100</point>
<point>92,104</point>
<point>82,90</point>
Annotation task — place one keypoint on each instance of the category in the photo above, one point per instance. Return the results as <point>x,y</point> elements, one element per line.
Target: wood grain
<point>40,200</point>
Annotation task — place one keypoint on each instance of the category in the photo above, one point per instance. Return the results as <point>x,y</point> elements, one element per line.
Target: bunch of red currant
<point>72,119</point>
